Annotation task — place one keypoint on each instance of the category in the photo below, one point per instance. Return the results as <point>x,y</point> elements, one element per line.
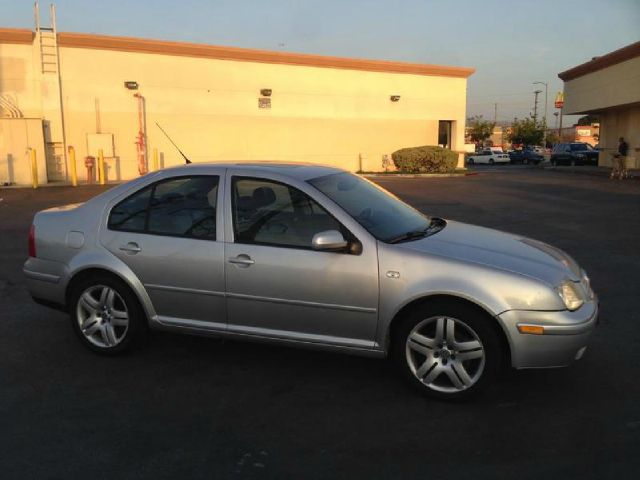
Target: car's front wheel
<point>447,351</point>
<point>105,314</point>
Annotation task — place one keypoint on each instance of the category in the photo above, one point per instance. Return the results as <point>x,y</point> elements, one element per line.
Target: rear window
<point>578,147</point>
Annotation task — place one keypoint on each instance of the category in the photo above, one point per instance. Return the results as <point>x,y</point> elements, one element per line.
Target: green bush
<point>427,159</point>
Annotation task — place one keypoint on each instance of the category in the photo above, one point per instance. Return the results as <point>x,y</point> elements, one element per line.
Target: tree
<point>552,139</point>
<point>479,129</point>
<point>588,120</point>
<point>526,132</point>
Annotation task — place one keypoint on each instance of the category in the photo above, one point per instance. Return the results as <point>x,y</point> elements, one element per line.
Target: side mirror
<point>328,240</point>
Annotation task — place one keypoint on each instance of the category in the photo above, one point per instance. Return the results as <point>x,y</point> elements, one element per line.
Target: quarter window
<point>183,207</point>
<point>272,213</point>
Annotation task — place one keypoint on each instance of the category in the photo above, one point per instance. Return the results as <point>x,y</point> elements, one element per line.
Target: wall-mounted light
<point>265,92</point>
<point>131,85</point>
<point>394,98</point>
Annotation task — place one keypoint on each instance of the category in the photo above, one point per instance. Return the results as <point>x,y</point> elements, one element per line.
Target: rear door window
<point>181,207</point>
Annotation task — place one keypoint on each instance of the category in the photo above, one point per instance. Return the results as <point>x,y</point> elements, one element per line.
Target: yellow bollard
<point>155,159</point>
<point>74,171</point>
<point>101,167</point>
<point>34,168</point>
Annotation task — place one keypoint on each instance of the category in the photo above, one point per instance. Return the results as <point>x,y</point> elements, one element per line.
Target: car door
<point>277,285</point>
<point>170,235</point>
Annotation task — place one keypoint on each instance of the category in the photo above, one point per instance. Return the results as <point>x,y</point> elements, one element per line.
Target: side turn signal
<point>531,329</point>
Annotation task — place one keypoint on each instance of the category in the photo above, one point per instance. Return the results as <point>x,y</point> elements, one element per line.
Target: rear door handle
<point>242,260</point>
<point>131,248</point>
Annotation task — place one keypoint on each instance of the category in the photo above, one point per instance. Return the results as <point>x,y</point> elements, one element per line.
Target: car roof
<point>297,170</point>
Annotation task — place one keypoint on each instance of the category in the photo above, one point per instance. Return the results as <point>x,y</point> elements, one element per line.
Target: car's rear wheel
<point>447,351</point>
<point>470,161</point>
<point>105,314</point>
<point>572,163</point>
<point>491,161</point>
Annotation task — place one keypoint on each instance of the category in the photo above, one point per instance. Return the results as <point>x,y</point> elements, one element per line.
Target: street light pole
<point>546,96</point>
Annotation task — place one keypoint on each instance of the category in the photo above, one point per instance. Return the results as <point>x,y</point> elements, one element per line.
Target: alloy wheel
<point>445,354</point>
<point>102,316</point>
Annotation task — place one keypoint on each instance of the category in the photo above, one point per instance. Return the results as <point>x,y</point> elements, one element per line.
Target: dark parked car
<point>575,153</point>
<point>525,156</point>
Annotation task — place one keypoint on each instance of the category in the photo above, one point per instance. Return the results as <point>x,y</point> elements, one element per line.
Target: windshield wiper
<point>409,236</point>
<point>435,226</point>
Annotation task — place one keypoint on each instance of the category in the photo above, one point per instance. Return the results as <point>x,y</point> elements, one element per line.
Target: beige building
<point>609,86</point>
<point>216,103</point>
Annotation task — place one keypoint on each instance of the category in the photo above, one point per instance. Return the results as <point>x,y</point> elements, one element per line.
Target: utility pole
<point>546,95</point>
<point>535,107</point>
<point>495,113</point>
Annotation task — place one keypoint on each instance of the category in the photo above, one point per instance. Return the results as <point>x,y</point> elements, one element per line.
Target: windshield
<point>380,212</point>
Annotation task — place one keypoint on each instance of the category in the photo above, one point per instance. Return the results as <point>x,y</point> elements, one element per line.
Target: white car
<point>489,156</point>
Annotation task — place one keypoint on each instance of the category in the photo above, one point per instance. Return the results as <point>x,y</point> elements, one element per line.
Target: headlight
<point>570,296</point>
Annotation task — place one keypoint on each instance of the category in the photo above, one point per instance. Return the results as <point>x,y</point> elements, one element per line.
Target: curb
<point>57,185</point>
<point>592,173</point>
<point>416,175</point>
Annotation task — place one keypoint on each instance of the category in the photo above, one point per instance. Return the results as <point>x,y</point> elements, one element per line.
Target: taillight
<point>32,241</point>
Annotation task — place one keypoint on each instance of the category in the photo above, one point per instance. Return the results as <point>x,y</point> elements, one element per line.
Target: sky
<point>510,43</point>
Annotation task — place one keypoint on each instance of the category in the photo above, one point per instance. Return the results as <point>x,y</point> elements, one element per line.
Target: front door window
<point>266,212</point>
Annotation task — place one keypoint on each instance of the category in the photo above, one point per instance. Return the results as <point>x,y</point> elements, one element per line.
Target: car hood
<point>496,249</point>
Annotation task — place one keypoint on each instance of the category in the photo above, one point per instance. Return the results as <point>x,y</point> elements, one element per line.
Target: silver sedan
<point>309,256</point>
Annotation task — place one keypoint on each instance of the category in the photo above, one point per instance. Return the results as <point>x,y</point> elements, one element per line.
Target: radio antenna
<point>187,161</point>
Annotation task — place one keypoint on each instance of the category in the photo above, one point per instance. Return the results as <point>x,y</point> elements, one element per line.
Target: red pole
<point>141,146</point>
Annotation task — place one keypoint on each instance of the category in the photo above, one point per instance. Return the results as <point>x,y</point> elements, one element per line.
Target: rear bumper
<point>45,281</point>
<point>565,337</point>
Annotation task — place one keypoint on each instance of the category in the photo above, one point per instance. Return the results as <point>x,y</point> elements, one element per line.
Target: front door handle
<point>242,260</point>
<point>131,248</point>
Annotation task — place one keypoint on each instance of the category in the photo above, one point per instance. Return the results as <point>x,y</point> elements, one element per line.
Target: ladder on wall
<point>55,149</point>
<point>48,38</point>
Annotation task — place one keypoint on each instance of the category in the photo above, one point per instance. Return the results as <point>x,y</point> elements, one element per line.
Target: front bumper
<point>564,340</point>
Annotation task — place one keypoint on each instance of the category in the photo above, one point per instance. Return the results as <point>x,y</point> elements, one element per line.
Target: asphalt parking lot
<point>189,407</point>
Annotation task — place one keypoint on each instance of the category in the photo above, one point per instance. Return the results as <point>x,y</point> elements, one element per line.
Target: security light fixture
<point>265,92</point>
<point>394,98</point>
<point>131,85</point>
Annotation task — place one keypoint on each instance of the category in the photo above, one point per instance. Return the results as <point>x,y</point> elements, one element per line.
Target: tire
<point>470,161</point>
<point>554,162</point>
<point>572,163</point>
<point>525,161</point>
<point>491,161</point>
<point>434,367</point>
<point>106,314</point>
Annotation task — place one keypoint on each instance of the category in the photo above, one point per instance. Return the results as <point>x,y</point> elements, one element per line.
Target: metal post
<point>101,167</point>
<point>560,127</point>
<point>155,159</point>
<point>74,171</point>
<point>34,168</point>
